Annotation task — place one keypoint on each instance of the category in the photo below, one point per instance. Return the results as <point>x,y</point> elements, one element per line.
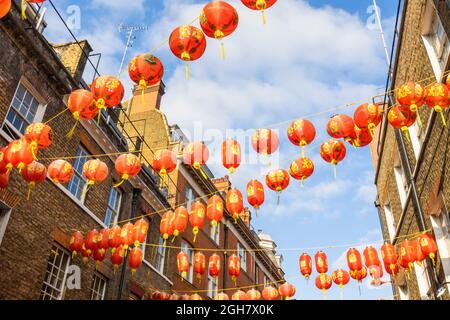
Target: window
<point>112,211</point>
<point>5,213</point>
<point>389,221</point>
<point>267,281</point>
<point>242,254</point>
<point>55,276</point>
<point>400,178</point>
<point>189,197</point>
<point>78,183</point>
<point>24,110</point>
<point>416,132</point>
<point>160,256</point>
<point>212,286</point>
<point>98,287</point>
<point>187,249</point>
<point>214,233</point>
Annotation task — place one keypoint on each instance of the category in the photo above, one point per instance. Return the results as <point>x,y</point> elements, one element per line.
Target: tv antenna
<point>129,30</point>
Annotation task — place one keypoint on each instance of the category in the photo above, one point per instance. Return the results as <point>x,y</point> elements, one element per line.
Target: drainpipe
<point>225,254</point>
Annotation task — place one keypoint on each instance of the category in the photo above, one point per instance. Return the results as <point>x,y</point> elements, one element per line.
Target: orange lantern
<point>301,133</point>
<point>371,260</point>
<point>196,154</point>
<point>214,265</point>
<point>287,291</point>
<point>145,70</point>
<point>82,105</point>
<point>448,82</point>
<point>234,267</point>
<point>85,253</point>
<point>4,180</point>
<point>420,256</point>
<point>301,169</point>
<point>340,277</point>
<point>5,6</point>
<point>135,259</point>
<point>354,259</point>
<point>214,210</point>
<point>255,194</point>
<point>259,5</point>
<point>321,262</point>
<point>218,20</point>
<point>340,126</point>
<point>183,264</point>
<point>114,239</point>
<point>231,155</point>
<point>90,243</point>
<point>98,255</point>
<point>187,43</point>
<point>18,155</point>
<point>108,92</point>
<point>411,94</point>
<point>117,256</point>
<point>361,137</point>
<point>197,217</point>
<point>359,275</point>
<point>270,293</point>
<point>95,171</point>
<point>3,168</point>
<point>34,173</point>
<point>103,239</point>
<point>76,243</point>
<point>389,257</point>
<point>180,220</point>
<point>305,265</point>
<point>195,296</point>
<point>39,136</point>
<point>164,161</point>
<point>166,225</point>
<point>234,203</point>
<point>221,296</point>
<point>60,171</point>
<point>239,295</point>
<point>368,116</point>
<point>253,295</point>
<point>139,232</point>
<point>401,118</point>
<point>277,180</point>
<point>408,253</point>
<point>265,141</point>
<point>199,264</point>
<point>427,243</point>
<point>126,235</point>
<point>437,97</point>
<point>333,151</point>
<point>323,282</point>
<point>127,165</point>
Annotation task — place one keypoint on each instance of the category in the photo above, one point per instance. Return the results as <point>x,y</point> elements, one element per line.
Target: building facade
<point>412,174</point>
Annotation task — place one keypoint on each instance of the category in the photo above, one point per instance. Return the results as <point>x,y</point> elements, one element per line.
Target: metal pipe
<point>224,264</point>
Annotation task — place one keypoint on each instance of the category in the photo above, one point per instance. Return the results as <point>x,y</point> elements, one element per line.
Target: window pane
<point>77,184</point>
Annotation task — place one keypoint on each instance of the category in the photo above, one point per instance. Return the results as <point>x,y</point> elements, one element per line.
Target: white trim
<point>441,227</point>
<point>4,218</point>
<point>423,282</point>
<point>157,271</point>
<point>389,221</point>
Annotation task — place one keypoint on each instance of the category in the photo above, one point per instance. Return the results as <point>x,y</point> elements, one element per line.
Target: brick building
<point>35,80</point>
<point>412,176</point>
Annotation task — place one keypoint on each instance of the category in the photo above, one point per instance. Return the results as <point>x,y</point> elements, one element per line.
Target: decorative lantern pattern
<point>427,243</point>
<point>234,203</point>
<point>108,92</point>
<point>437,97</point>
<point>411,94</point>
<point>98,255</point>
<point>301,169</point>
<point>270,293</point>
<point>85,253</point>
<point>305,265</point>
<point>214,265</point>
<point>359,275</point>
<point>135,259</point>
<point>82,105</point>
<point>372,261</point>
<point>164,161</point>
<point>60,171</point>
<point>103,239</point>
<point>145,70</point>
<point>340,126</point>
<point>255,194</point>
<point>323,282</point>
<point>368,116</point>
<point>231,155</point>
<point>34,173</point>
<point>95,171</point>
<point>277,180</point>
<point>180,220</point>
<point>139,232</point>
<point>354,259</point>
<point>420,256</point>
<point>197,217</point>
<point>199,264</point>
<point>214,210</point>
<point>18,155</point>
<point>260,5</point>
<point>301,133</point>
<point>127,165</point>
<point>265,141</point>
<point>234,267</point>
<point>183,264</point>
<point>166,225</point>
<point>286,291</point>
<point>39,136</point>
<point>126,235</point>
<point>389,257</point>
<point>333,151</point>
<point>196,154</point>
<point>221,296</point>
<point>321,262</point>
<point>361,137</point>
<point>401,118</point>
<point>90,243</point>
<point>253,295</point>
<point>76,243</point>
<point>239,295</point>
<point>114,240</point>
<point>340,277</point>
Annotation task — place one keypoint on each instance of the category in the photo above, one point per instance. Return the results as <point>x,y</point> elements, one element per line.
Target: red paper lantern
<point>114,239</point>
<point>108,92</point>
<point>218,19</point>
<point>234,203</point>
<point>239,295</point>
<point>174,296</point>
<point>255,194</point>
<point>437,97</point>
<point>354,259</point>
<point>127,166</point>
<point>183,264</point>
<point>180,220</point>
<point>139,232</point>
<point>359,275</point>
<point>103,239</point>
<point>305,265</point>
<point>231,155</point>
<point>234,267</point>
<point>98,255</point>
<point>18,155</point>
<point>301,169</point>
<point>340,126</point>
<point>145,70</point>
<point>199,264</point>
<point>196,296</point>
<point>5,6</point>
<point>221,296</point>
<point>270,293</point>
<point>301,133</point>
<point>389,257</point>
<point>340,277</point>
<point>427,243</point>
<point>372,261</point>
<point>286,290</point>
<point>321,262</point>
<point>277,180</point>
<point>411,94</point>
<point>34,173</point>
<point>265,141</point>
<point>3,168</point>
<point>323,282</point>
<point>214,265</point>
<point>76,243</point>
<point>39,136</point>
<point>90,242</point>
<point>214,210</point>
<point>420,255</point>
<point>196,154</point>
<point>60,171</point>
<point>368,116</point>
<point>135,259</point>
<point>197,217</point>
<point>82,105</point>
<point>126,235</point>
<point>164,161</point>
<point>4,180</point>
<point>95,171</point>
<point>333,151</point>
<point>166,225</point>
<point>361,137</point>
<point>401,118</point>
<point>259,5</point>
<point>408,254</point>
<point>85,253</point>
<point>253,295</point>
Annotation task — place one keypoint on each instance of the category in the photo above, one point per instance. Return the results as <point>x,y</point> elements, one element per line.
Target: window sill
<point>157,271</point>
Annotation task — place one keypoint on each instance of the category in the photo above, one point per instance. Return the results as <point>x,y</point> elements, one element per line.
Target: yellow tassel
<point>24,16</point>
<point>443,119</point>
<point>98,118</point>
<point>187,71</point>
<point>31,185</point>
<point>303,152</point>
<point>90,184</point>
<point>203,174</point>
<point>419,119</point>
<point>119,184</point>
<point>335,171</point>
<point>223,50</point>
<point>72,131</point>
<point>195,237</point>
<point>33,150</point>
<point>263,16</point>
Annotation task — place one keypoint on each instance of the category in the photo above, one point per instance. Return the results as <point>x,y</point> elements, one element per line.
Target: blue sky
<point>311,56</point>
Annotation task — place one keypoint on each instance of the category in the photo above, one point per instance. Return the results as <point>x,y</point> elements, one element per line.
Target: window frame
<point>113,222</point>
<point>187,248</point>
<point>160,256</point>
<point>61,291</point>
<point>215,237</point>
<point>242,258</point>
<point>101,278</point>
<point>87,156</point>
<point>213,286</point>
<point>5,214</point>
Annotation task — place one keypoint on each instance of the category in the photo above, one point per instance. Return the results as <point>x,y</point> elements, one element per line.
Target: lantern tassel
<point>303,152</point>
<point>222,45</point>
<point>203,173</point>
<point>264,19</point>
<point>90,184</point>
<point>173,239</point>
<point>119,183</point>
<point>24,16</point>
<point>72,131</point>
<point>419,119</point>
<point>33,150</point>
<point>31,186</point>
<point>443,119</point>
<point>187,71</point>
<point>335,171</point>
